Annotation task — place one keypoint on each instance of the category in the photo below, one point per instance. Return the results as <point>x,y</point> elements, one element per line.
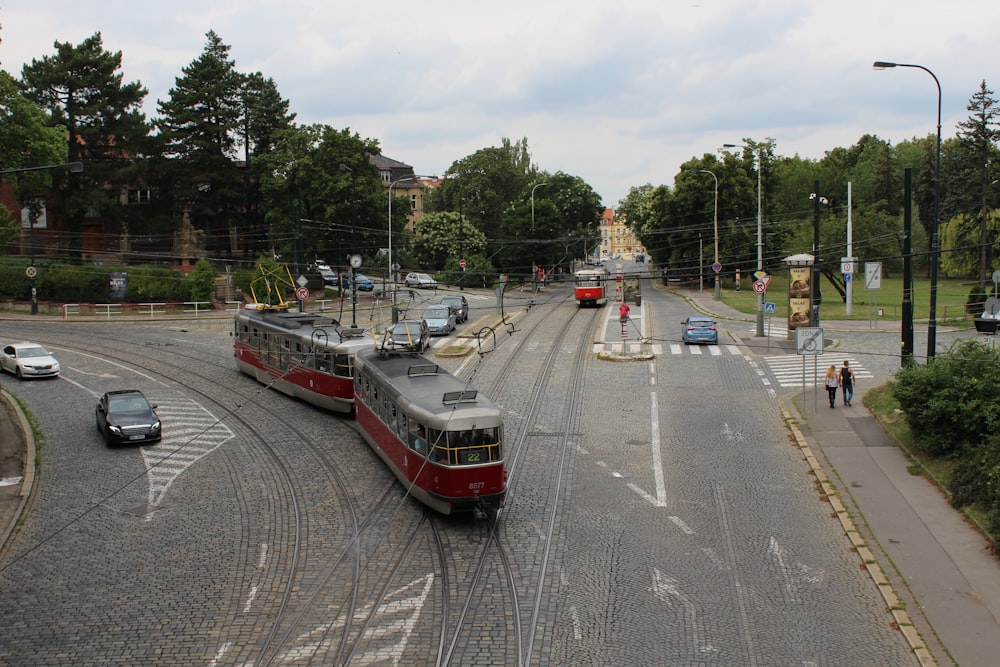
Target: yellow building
<point>617,238</point>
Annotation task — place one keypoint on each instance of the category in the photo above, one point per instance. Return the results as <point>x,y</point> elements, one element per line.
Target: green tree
<point>485,185</point>
<point>324,199</point>
<point>26,140</point>
<point>265,113</point>
<point>199,127</point>
<point>442,239</point>
<point>971,171</point>
<point>83,90</point>
<point>201,282</point>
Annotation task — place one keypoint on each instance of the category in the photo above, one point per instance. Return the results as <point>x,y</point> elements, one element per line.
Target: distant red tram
<point>590,287</point>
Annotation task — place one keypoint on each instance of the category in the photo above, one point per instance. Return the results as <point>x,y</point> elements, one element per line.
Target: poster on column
<point>799,312</point>
<point>798,282</point>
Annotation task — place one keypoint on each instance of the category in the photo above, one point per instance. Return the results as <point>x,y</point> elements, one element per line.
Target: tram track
<point>532,435</point>
<point>294,631</point>
<point>295,611</point>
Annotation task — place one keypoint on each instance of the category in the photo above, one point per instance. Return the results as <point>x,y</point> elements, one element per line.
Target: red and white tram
<point>442,440</point>
<point>305,355</point>
<point>590,287</point>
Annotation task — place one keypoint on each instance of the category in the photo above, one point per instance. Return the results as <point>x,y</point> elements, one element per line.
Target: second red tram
<point>590,287</point>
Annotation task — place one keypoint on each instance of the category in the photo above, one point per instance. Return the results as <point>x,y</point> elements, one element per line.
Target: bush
<point>977,297</point>
<point>976,480</point>
<point>952,403</point>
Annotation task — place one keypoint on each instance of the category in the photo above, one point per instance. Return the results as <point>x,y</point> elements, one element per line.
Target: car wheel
<point>20,376</point>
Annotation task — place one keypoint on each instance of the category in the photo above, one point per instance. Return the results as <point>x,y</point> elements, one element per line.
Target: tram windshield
<point>471,447</point>
<point>589,279</point>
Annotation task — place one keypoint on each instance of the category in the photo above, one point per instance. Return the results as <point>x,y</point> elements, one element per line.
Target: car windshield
<point>406,328</point>
<point>129,404</point>
<point>26,352</point>
<point>455,301</point>
<point>436,313</point>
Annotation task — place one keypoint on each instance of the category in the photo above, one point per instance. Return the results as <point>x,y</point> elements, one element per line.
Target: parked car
<point>699,329</point>
<point>420,280</point>
<point>440,320</point>
<point>327,276</point>
<point>409,336</point>
<point>126,417</point>
<point>28,360</point>
<point>458,305</point>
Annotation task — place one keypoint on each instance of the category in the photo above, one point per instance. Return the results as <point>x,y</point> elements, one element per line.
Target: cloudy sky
<point>618,92</point>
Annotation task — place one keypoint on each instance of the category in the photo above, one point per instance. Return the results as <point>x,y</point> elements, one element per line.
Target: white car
<point>420,280</point>
<point>28,360</point>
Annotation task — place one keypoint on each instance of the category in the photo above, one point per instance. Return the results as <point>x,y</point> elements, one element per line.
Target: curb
<point>28,464</point>
<point>829,493</point>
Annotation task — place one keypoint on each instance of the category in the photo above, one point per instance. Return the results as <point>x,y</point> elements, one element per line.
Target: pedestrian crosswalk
<point>674,349</point>
<point>794,370</point>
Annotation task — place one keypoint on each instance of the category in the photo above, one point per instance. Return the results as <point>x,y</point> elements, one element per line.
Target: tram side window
<point>342,366</point>
<point>418,438</point>
<point>322,360</point>
<point>439,451</point>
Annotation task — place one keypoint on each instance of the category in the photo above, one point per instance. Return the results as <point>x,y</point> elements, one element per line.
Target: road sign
<point>847,264</point>
<point>461,263</point>
<point>31,272</point>
<point>718,267</point>
<point>847,277</point>
<point>759,275</point>
<point>769,307</point>
<point>809,340</point>
<point>873,275</point>
<point>302,293</point>
<point>759,286</point>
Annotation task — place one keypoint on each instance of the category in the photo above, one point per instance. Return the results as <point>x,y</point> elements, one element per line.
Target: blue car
<point>699,329</point>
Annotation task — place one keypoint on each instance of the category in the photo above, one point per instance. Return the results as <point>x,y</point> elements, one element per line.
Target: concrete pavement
<point>936,572</point>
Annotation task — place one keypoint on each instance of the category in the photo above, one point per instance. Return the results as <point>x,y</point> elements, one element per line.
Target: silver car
<point>440,320</point>
<point>28,360</point>
<point>420,280</point>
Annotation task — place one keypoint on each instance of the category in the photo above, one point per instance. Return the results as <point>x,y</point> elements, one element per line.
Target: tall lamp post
<point>760,236</point>
<point>72,167</point>
<point>392,282</point>
<point>716,266</point>
<point>935,250</point>
<point>533,203</point>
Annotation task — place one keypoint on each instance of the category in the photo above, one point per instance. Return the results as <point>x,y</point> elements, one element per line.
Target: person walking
<point>623,311</point>
<point>847,382</point>
<point>831,381</point>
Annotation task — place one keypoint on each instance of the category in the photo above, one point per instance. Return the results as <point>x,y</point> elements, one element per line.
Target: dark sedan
<point>126,417</point>
<point>699,329</point>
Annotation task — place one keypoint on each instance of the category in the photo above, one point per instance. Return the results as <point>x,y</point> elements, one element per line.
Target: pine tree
<point>976,164</point>
<point>199,134</point>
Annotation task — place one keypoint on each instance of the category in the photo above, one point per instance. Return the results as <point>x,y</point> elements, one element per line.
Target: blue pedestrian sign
<point>769,307</point>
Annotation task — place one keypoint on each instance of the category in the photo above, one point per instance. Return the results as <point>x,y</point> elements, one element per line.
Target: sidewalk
<point>942,570</point>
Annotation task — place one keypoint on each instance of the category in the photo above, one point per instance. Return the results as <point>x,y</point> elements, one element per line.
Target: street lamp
<point>935,251</point>
<point>392,282</point>
<point>72,167</point>
<point>533,204</point>
<point>716,266</point>
<point>760,236</point>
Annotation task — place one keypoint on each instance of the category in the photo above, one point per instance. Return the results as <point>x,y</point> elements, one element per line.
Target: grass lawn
<point>951,298</point>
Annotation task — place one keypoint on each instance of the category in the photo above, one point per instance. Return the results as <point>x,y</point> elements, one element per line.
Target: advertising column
<point>799,298</point>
